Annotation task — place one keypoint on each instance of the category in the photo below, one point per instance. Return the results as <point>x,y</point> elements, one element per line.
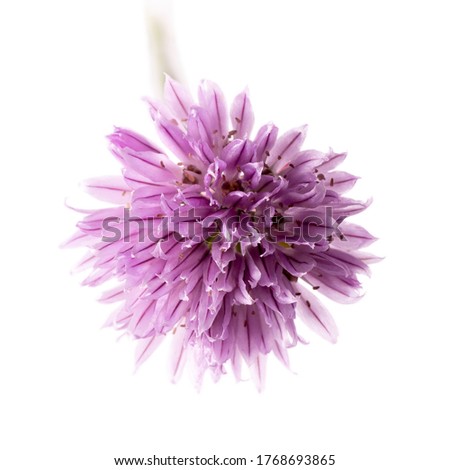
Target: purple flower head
<point>222,236</point>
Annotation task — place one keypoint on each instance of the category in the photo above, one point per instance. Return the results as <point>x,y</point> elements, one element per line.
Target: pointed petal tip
<point>333,339</point>
<point>117,130</point>
<point>153,106</point>
<point>168,79</point>
<point>375,259</point>
<point>76,209</point>
<point>331,152</point>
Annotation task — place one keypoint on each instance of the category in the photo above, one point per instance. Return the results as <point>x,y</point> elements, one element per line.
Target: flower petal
<point>212,100</point>
<point>242,118</point>
<point>315,315</point>
<point>145,348</point>
<point>258,371</point>
<point>108,188</point>
<point>296,264</point>
<point>353,237</point>
<point>178,98</point>
<point>179,354</point>
<point>341,289</point>
<point>286,149</point>
<point>125,138</point>
<point>237,154</point>
<point>264,141</point>
<point>340,181</point>
<point>333,159</point>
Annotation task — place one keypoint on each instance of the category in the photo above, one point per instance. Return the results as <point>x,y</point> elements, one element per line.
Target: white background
<point>369,77</point>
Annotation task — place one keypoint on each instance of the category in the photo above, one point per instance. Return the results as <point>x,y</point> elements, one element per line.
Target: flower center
<point>230,186</point>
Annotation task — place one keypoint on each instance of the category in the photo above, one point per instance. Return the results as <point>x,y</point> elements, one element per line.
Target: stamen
<point>194,169</point>
<point>188,178</point>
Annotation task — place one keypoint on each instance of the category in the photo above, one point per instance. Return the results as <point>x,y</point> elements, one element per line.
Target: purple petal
<point>178,98</point>
<point>269,298</point>
<point>340,181</point>
<point>315,315</point>
<point>264,141</point>
<point>125,138</point>
<point>367,258</point>
<point>175,139</point>
<point>211,99</point>
<point>242,118</point>
<point>237,153</point>
<point>109,189</point>
<point>252,271</point>
<point>241,293</point>
<point>344,260</point>
<point>248,334</point>
<point>297,264</point>
<point>113,295</point>
<point>219,328</point>
<point>94,224</point>
<point>281,353</point>
<point>198,127</point>
<point>98,276</point>
<point>332,160</point>
<point>302,198</point>
<point>86,262</point>
<point>142,321</point>
<point>341,289</point>
<point>135,180</point>
<point>286,149</point>
<point>178,356</point>
<point>143,157</point>
<point>145,348</point>
<point>154,166</point>
<point>258,371</point>
<point>304,163</point>
<point>78,239</point>
<point>354,237</point>
<point>266,267</point>
<point>346,207</point>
